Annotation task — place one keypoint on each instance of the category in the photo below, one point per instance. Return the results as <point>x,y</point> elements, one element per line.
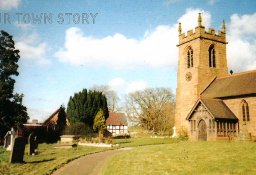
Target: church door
<point>202,130</point>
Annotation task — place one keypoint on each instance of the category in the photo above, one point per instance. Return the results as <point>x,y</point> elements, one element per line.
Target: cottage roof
<point>52,120</point>
<point>116,119</point>
<point>216,107</point>
<point>243,83</point>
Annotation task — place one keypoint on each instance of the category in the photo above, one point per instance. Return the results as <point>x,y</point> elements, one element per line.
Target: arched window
<point>212,61</point>
<point>189,57</point>
<point>245,111</point>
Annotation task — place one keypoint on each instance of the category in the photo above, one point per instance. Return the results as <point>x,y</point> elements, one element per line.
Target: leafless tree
<point>111,95</point>
<point>152,108</point>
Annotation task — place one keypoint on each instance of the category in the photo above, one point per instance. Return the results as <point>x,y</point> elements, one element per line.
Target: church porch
<point>210,119</point>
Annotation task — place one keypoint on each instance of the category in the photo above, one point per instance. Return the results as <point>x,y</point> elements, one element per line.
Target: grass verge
<point>134,142</point>
<point>48,160</point>
<point>211,158</point>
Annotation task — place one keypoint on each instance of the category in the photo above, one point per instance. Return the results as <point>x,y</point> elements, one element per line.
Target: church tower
<point>202,57</point>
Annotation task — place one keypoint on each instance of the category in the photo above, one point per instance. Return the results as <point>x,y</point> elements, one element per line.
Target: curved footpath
<point>86,165</point>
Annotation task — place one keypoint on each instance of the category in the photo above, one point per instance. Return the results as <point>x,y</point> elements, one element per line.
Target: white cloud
<point>189,19</point>
<point>117,83</point>
<point>119,51</point>
<point>156,49</point>
<point>9,4</point>
<point>136,86</point>
<point>123,86</point>
<point>32,49</point>
<point>241,49</point>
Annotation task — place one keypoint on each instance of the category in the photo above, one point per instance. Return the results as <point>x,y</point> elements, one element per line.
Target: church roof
<point>243,83</point>
<point>216,107</point>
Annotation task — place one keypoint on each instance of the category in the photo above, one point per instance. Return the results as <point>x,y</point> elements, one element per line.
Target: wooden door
<point>202,130</point>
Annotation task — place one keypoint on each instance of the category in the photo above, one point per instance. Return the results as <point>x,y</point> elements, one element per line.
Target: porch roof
<point>216,107</point>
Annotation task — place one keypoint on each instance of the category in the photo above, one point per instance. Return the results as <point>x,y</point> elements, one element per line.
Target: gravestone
<point>7,139</point>
<point>36,143</point>
<point>32,142</point>
<point>10,135</point>
<point>17,150</point>
<point>174,134</point>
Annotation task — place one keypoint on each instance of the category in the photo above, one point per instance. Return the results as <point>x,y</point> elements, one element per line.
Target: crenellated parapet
<point>200,32</point>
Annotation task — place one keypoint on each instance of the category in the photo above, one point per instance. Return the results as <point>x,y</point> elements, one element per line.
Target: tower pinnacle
<point>199,20</point>
<point>180,29</point>
<point>223,27</point>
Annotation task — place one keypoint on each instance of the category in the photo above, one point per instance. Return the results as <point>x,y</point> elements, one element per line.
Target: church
<point>211,102</point>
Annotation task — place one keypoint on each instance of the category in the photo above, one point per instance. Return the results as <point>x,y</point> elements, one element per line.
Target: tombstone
<point>10,135</point>
<point>36,143</point>
<point>17,150</point>
<point>174,134</point>
<point>32,142</point>
<point>7,139</point>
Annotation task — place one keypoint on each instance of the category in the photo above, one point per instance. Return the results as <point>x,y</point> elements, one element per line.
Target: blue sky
<point>130,46</point>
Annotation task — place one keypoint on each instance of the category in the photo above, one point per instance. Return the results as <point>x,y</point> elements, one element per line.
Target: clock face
<point>188,76</point>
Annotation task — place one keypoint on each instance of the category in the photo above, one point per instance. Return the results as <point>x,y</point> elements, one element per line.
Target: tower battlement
<point>200,32</point>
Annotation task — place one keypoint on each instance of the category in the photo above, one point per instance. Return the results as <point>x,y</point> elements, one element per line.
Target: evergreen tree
<point>84,105</point>
<point>62,119</point>
<point>12,112</point>
<point>99,124</point>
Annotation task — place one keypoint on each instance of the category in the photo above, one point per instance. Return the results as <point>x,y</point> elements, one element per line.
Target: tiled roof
<point>117,119</point>
<point>52,120</point>
<point>243,83</point>
<point>216,107</point>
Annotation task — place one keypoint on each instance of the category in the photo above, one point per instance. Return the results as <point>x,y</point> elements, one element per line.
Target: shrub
<point>79,128</point>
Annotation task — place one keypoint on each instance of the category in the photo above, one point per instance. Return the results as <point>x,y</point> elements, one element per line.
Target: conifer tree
<point>99,124</point>
<point>84,105</point>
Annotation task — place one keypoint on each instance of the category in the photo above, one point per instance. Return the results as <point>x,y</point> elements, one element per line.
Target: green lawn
<point>134,142</point>
<point>50,158</point>
<point>45,162</point>
<point>215,158</point>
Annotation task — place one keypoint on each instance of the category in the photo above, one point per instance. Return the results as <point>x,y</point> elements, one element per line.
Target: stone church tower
<point>202,57</point>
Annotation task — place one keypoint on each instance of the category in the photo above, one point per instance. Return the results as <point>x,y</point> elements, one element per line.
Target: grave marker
<point>32,142</point>
<point>17,150</point>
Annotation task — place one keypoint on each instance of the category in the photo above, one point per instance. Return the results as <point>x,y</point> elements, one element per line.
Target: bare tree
<point>111,95</point>
<point>152,108</point>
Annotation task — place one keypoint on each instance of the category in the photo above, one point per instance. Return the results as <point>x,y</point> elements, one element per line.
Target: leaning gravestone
<point>10,135</point>
<point>17,150</point>
<point>7,139</point>
<point>32,142</point>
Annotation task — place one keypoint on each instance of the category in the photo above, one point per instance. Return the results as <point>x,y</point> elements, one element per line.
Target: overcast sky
<point>130,45</point>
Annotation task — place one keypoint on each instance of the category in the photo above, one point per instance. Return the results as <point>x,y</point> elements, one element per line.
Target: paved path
<point>86,165</point>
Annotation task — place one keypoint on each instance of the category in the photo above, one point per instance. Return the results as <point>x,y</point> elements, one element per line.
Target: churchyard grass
<point>134,142</point>
<point>50,158</point>
<point>185,157</point>
<point>45,162</point>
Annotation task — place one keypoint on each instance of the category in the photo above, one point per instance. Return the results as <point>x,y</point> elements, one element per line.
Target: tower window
<point>212,61</point>
<point>245,111</point>
<point>190,58</point>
